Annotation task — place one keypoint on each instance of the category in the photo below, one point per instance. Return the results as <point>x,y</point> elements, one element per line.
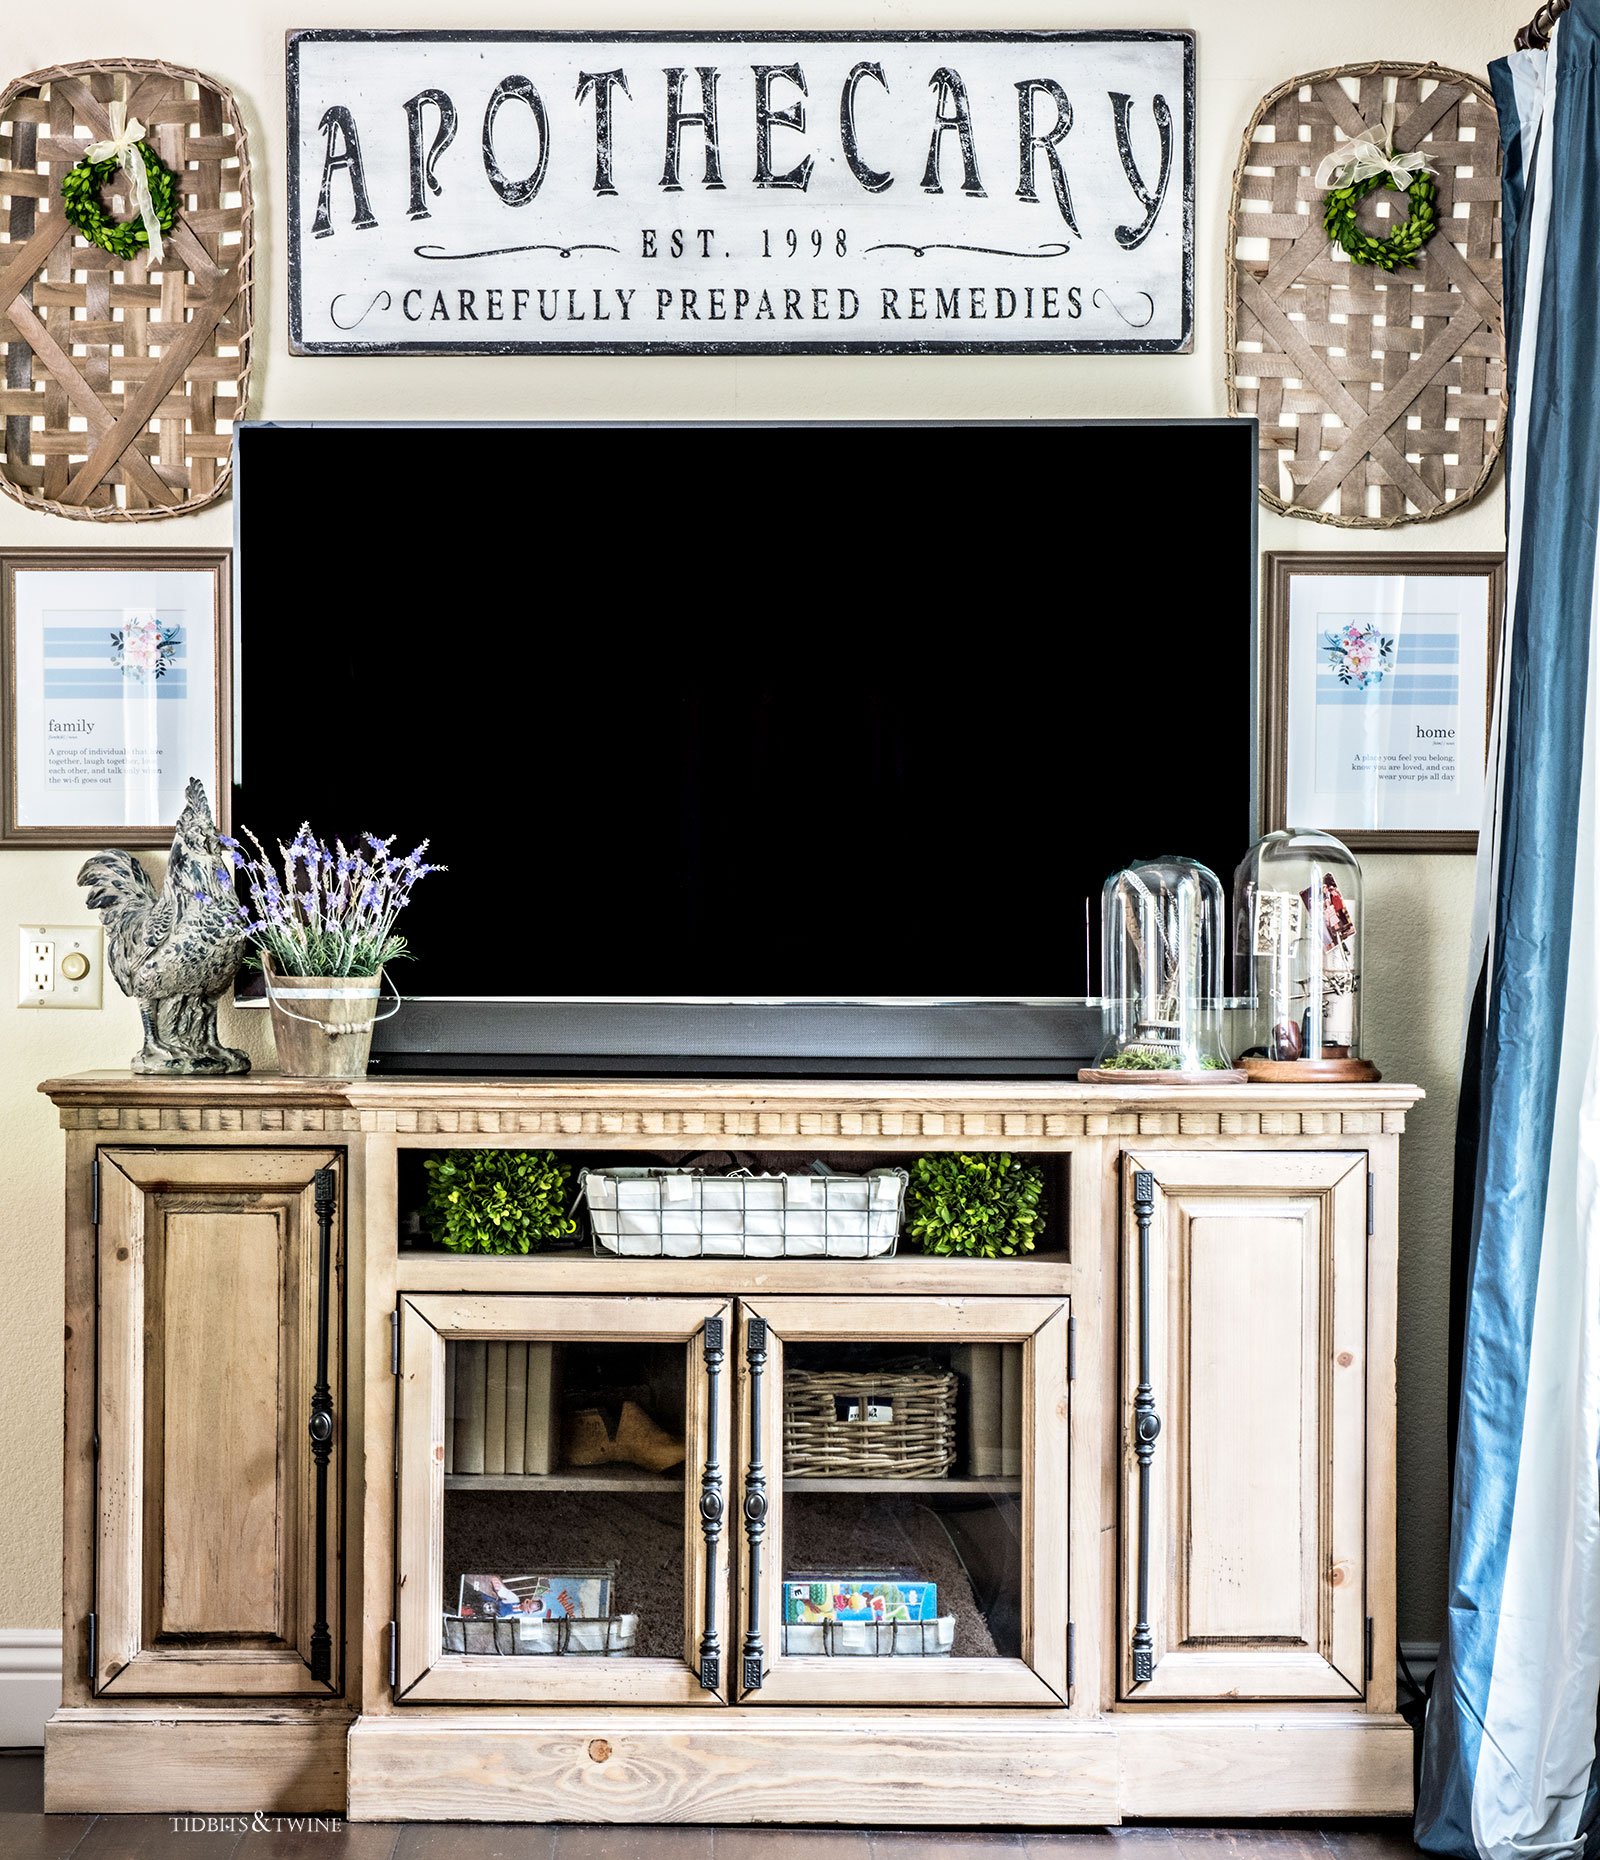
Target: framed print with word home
<point>113,692</point>
<point>1377,683</point>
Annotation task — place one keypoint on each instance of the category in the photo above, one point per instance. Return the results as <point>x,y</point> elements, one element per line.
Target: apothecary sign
<point>506,192</point>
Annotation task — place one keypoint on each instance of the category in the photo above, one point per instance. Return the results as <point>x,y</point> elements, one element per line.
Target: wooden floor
<point>28,1834</point>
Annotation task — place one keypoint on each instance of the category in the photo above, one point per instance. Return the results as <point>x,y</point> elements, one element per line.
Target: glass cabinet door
<point>904,1501</point>
<point>562,1498</point>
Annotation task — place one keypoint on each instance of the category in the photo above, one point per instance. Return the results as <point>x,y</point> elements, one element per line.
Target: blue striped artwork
<point>80,665</point>
<point>1396,690</point>
<point>1415,674</point>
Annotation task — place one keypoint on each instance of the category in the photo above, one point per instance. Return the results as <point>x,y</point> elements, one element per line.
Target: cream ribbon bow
<point>1372,152</point>
<point>123,148</point>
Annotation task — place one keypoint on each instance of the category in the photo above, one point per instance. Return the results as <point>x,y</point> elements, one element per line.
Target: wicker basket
<point>833,1424</point>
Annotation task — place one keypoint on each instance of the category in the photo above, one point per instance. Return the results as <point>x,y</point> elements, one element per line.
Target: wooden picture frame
<point>1388,815</point>
<point>37,805</point>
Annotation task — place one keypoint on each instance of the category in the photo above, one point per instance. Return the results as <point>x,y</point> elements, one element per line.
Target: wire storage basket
<point>692,1214</point>
<point>871,1639</point>
<point>512,1635</point>
<point>892,1423</point>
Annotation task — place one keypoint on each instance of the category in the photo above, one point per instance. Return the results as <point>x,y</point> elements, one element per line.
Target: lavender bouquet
<point>327,911</point>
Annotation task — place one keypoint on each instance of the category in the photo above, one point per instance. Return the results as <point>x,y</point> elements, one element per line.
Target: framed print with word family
<point>113,692</point>
<point>1377,682</point>
<point>600,192</point>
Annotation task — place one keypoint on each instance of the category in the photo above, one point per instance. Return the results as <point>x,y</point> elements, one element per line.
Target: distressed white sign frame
<point>505,192</point>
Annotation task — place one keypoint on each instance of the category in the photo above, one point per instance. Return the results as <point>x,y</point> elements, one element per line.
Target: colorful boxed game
<point>811,1600</point>
<point>585,1596</point>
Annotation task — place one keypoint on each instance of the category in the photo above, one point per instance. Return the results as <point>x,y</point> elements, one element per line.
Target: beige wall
<point>1417,907</point>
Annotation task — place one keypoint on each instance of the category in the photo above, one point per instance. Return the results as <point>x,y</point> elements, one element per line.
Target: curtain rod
<point>1535,36</point>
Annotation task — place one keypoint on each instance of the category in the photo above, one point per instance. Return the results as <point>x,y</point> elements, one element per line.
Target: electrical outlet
<point>59,965</point>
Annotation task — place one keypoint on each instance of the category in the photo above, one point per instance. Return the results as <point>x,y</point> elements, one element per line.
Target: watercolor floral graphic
<point>144,649</point>
<point>1359,654</point>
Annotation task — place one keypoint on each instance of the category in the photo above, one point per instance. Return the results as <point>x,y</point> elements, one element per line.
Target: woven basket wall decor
<point>123,378</point>
<point>1381,395</point>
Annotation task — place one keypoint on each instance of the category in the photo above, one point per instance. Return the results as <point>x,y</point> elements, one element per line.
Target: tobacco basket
<point>123,379</point>
<point>1381,396</point>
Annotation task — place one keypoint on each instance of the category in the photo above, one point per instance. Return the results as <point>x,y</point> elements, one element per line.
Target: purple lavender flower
<point>338,917</point>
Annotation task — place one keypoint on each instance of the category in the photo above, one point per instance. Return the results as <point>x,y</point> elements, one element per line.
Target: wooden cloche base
<point>1309,1071</point>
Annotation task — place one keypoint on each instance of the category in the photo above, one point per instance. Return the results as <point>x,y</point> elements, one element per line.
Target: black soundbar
<point>666,1039</point>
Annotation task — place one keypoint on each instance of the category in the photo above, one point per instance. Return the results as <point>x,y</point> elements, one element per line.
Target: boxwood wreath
<point>975,1207</point>
<point>1399,250</point>
<point>82,195</point>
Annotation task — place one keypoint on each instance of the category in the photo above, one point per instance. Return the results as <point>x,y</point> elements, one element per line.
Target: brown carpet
<point>508,1534</point>
<point>880,1536</point>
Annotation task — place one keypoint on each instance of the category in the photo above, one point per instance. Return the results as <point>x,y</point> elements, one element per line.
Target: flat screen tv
<point>769,747</point>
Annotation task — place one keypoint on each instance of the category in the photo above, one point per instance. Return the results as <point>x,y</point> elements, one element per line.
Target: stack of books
<point>504,1410</point>
<point>992,1373</point>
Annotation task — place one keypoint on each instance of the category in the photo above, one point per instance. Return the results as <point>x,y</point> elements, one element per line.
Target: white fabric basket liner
<point>684,1214</point>
<point>513,1636</point>
<point>871,1639</point>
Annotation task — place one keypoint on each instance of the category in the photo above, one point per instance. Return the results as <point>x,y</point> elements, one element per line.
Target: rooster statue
<point>174,951</point>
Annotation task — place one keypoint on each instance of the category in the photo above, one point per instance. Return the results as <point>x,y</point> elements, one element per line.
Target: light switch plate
<point>48,955</point>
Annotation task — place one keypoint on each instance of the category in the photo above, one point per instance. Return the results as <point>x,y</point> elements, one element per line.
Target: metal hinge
<point>394,1343</point>
<point>1072,1349</point>
<point>94,1194</point>
<point>1372,1202</point>
<point>94,1648</point>
<point>394,1656</point>
<point>1072,1655</point>
<point>1369,1649</point>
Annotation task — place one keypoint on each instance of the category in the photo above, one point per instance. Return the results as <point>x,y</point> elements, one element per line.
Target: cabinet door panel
<point>219,1567</point>
<point>1245,1412</point>
<point>1254,1293</point>
<point>208,1299</point>
<point>590,1506</point>
<point>813,1507</point>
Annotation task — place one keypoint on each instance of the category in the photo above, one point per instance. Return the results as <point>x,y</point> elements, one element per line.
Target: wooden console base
<point>196,1761</point>
<point>1202,1631</point>
<point>938,1769</point>
<point>930,1769</point>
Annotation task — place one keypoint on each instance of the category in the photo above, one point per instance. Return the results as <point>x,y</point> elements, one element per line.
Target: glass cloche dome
<point>1297,922</point>
<point>1161,995</point>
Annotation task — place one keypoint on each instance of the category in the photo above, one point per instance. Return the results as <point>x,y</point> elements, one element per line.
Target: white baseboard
<point>30,1684</point>
<point>1422,1656</point>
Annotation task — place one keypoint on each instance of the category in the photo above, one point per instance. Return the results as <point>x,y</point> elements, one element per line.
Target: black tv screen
<point>823,710</point>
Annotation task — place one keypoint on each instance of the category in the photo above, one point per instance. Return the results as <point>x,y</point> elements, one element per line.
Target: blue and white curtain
<point>1509,1761</point>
